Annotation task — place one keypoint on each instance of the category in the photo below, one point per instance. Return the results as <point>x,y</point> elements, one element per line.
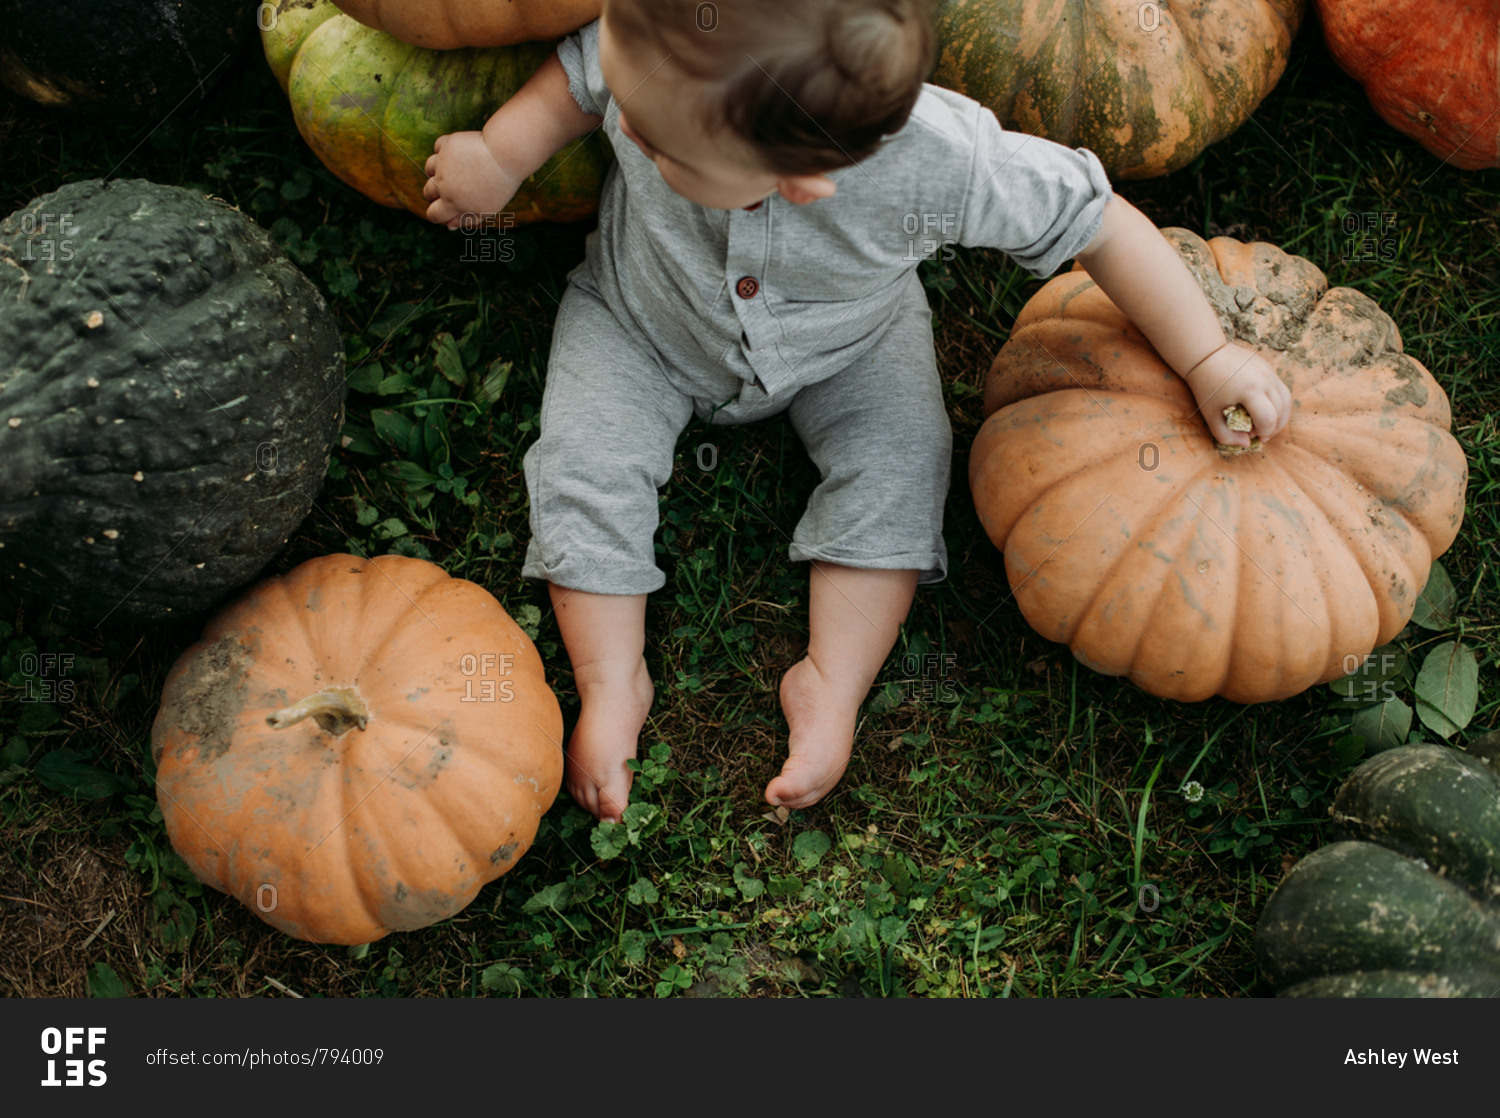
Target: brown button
<point>747,287</point>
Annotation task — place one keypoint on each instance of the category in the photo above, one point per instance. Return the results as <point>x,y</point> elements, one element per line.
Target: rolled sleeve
<point>1037,201</point>
<point>579,55</point>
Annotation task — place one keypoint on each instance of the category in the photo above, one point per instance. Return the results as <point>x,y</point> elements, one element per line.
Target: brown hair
<point>812,85</point>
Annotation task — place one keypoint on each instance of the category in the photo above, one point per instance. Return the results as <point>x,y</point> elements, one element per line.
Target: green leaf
<point>14,752</point>
<point>65,771</point>
<point>809,847</point>
<point>175,920</point>
<point>556,896</point>
<point>502,978</point>
<point>391,425</point>
<point>529,618</point>
<point>642,820</point>
<point>448,361</point>
<point>395,384</point>
<point>788,886</point>
<point>359,439</point>
<point>1436,602</point>
<point>36,717</point>
<point>390,529</point>
<point>367,377</point>
<point>642,891</point>
<point>1375,679</point>
<point>408,473</point>
<point>609,840</point>
<point>749,885</point>
<point>1448,688</point>
<point>486,390</point>
<point>105,983</point>
<point>633,944</point>
<point>1383,726</point>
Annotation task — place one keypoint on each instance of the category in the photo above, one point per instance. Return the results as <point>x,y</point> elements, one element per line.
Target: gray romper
<point>817,309</point>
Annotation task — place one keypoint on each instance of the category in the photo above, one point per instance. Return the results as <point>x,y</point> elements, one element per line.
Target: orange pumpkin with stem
<point>357,747</point>
<point>1132,538</point>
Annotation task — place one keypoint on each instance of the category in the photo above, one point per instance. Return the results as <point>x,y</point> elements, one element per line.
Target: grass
<point>1011,824</point>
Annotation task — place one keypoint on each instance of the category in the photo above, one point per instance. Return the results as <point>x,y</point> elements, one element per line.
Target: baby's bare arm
<point>479,172</point>
<point>1140,271</point>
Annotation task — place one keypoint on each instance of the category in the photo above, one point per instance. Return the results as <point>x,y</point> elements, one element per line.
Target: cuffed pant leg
<point>609,425</point>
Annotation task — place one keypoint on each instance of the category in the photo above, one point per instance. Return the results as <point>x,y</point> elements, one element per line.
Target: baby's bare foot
<point>821,716</point>
<point>614,709</point>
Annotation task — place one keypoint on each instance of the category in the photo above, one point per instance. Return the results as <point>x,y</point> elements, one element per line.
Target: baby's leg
<point>609,423</point>
<point>606,636</point>
<point>879,434</point>
<point>854,617</point>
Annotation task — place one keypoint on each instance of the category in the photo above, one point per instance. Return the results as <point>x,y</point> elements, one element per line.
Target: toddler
<point>780,166</point>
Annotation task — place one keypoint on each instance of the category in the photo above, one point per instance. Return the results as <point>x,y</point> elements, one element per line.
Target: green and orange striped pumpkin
<point>371,107</point>
<point>1145,86</point>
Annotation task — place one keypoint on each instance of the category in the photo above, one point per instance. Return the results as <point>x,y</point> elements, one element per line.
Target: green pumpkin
<point>371,107</point>
<point>171,387</point>
<point>1146,87</point>
<point>1409,904</point>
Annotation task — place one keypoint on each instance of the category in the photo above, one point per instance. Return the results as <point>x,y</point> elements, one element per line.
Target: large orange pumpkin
<point>1146,86</point>
<point>357,747</point>
<point>445,24</point>
<point>1129,536</point>
<point>1430,70</point>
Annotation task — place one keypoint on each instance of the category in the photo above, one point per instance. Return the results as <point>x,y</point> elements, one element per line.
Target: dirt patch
<point>56,892</point>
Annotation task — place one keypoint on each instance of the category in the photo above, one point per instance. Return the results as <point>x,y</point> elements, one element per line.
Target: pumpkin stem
<point>337,711</point>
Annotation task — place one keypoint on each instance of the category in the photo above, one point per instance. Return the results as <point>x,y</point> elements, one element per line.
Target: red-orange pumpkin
<point>357,747</point>
<point>1431,71</point>
<point>445,24</point>
<point>1131,538</point>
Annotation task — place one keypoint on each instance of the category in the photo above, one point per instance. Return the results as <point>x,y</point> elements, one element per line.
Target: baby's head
<point>736,99</point>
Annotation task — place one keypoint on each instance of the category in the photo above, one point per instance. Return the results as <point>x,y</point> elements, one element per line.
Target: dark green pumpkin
<point>120,58</point>
<point>170,391</point>
<point>1409,904</point>
<point>1146,87</point>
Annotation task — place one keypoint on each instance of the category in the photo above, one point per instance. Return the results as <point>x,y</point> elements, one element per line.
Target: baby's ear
<point>803,189</point>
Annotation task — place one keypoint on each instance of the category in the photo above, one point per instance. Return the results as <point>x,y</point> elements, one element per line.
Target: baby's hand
<point>1237,375</point>
<point>465,180</point>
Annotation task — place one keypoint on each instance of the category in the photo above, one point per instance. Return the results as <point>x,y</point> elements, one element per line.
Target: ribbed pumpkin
<point>1409,904</point>
<point>1430,71</point>
<point>1145,86</point>
<point>171,387</point>
<point>445,24</point>
<point>357,747</point>
<point>371,107</point>
<point>1130,537</point>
